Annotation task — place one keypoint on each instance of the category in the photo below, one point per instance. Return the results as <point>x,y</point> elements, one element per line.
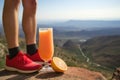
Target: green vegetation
<point>104,50</point>
<point>2,62</point>
<point>72,57</point>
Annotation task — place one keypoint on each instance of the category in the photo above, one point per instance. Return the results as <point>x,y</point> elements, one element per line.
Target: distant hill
<point>69,51</point>
<point>88,24</point>
<point>70,44</point>
<point>79,28</point>
<point>104,50</point>
<point>86,34</point>
<point>84,28</point>
<point>94,33</point>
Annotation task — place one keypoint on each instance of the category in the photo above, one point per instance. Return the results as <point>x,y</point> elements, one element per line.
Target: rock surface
<point>116,74</point>
<point>73,73</point>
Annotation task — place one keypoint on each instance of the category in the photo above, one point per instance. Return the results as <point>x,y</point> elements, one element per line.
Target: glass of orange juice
<point>46,46</point>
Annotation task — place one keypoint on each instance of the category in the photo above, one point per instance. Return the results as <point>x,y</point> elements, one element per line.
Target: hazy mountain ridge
<point>90,23</point>
<point>94,33</point>
<point>85,28</point>
<point>79,28</point>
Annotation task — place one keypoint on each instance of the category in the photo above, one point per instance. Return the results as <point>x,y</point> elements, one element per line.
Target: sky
<point>60,10</point>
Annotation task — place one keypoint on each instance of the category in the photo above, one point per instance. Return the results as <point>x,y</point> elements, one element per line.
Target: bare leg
<point>29,20</point>
<point>10,22</point>
<point>16,61</point>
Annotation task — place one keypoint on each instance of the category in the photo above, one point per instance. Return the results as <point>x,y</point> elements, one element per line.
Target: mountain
<point>70,44</point>
<point>79,29</point>
<point>94,33</point>
<point>86,34</point>
<point>89,24</point>
<point>104,50</point>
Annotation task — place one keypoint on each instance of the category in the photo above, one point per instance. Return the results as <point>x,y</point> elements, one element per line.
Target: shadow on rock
<point>48,75</point>
<point>15,75</point>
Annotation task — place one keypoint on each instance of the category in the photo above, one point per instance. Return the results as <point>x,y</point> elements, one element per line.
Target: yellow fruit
<point>58,65</point>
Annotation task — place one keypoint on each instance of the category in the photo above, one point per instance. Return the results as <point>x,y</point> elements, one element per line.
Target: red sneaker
<point>36,57</point>
<point>22,64</point>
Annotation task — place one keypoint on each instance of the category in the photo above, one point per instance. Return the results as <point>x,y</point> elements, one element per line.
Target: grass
<point>73,57</point>
<point>2,62</point>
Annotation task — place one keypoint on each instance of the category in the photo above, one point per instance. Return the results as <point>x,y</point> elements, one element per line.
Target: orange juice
<point>46,48</point>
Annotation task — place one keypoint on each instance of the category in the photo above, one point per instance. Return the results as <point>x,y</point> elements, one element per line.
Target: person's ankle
<point>31,49</point>
<point>13,52</point>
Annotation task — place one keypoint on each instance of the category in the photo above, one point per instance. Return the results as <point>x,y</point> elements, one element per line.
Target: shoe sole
<point>43,63</point>
<point>21,71</point>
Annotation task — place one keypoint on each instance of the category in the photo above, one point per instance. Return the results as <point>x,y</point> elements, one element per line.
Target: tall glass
<point>46,46</point>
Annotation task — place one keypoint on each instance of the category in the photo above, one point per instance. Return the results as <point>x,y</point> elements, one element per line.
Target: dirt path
<point>72,73</point>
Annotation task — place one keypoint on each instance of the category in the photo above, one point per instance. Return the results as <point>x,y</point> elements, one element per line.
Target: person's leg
<point>10,25</point>
<point>29,27</point>
<point>29,24</point>
<point>16,60</point>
